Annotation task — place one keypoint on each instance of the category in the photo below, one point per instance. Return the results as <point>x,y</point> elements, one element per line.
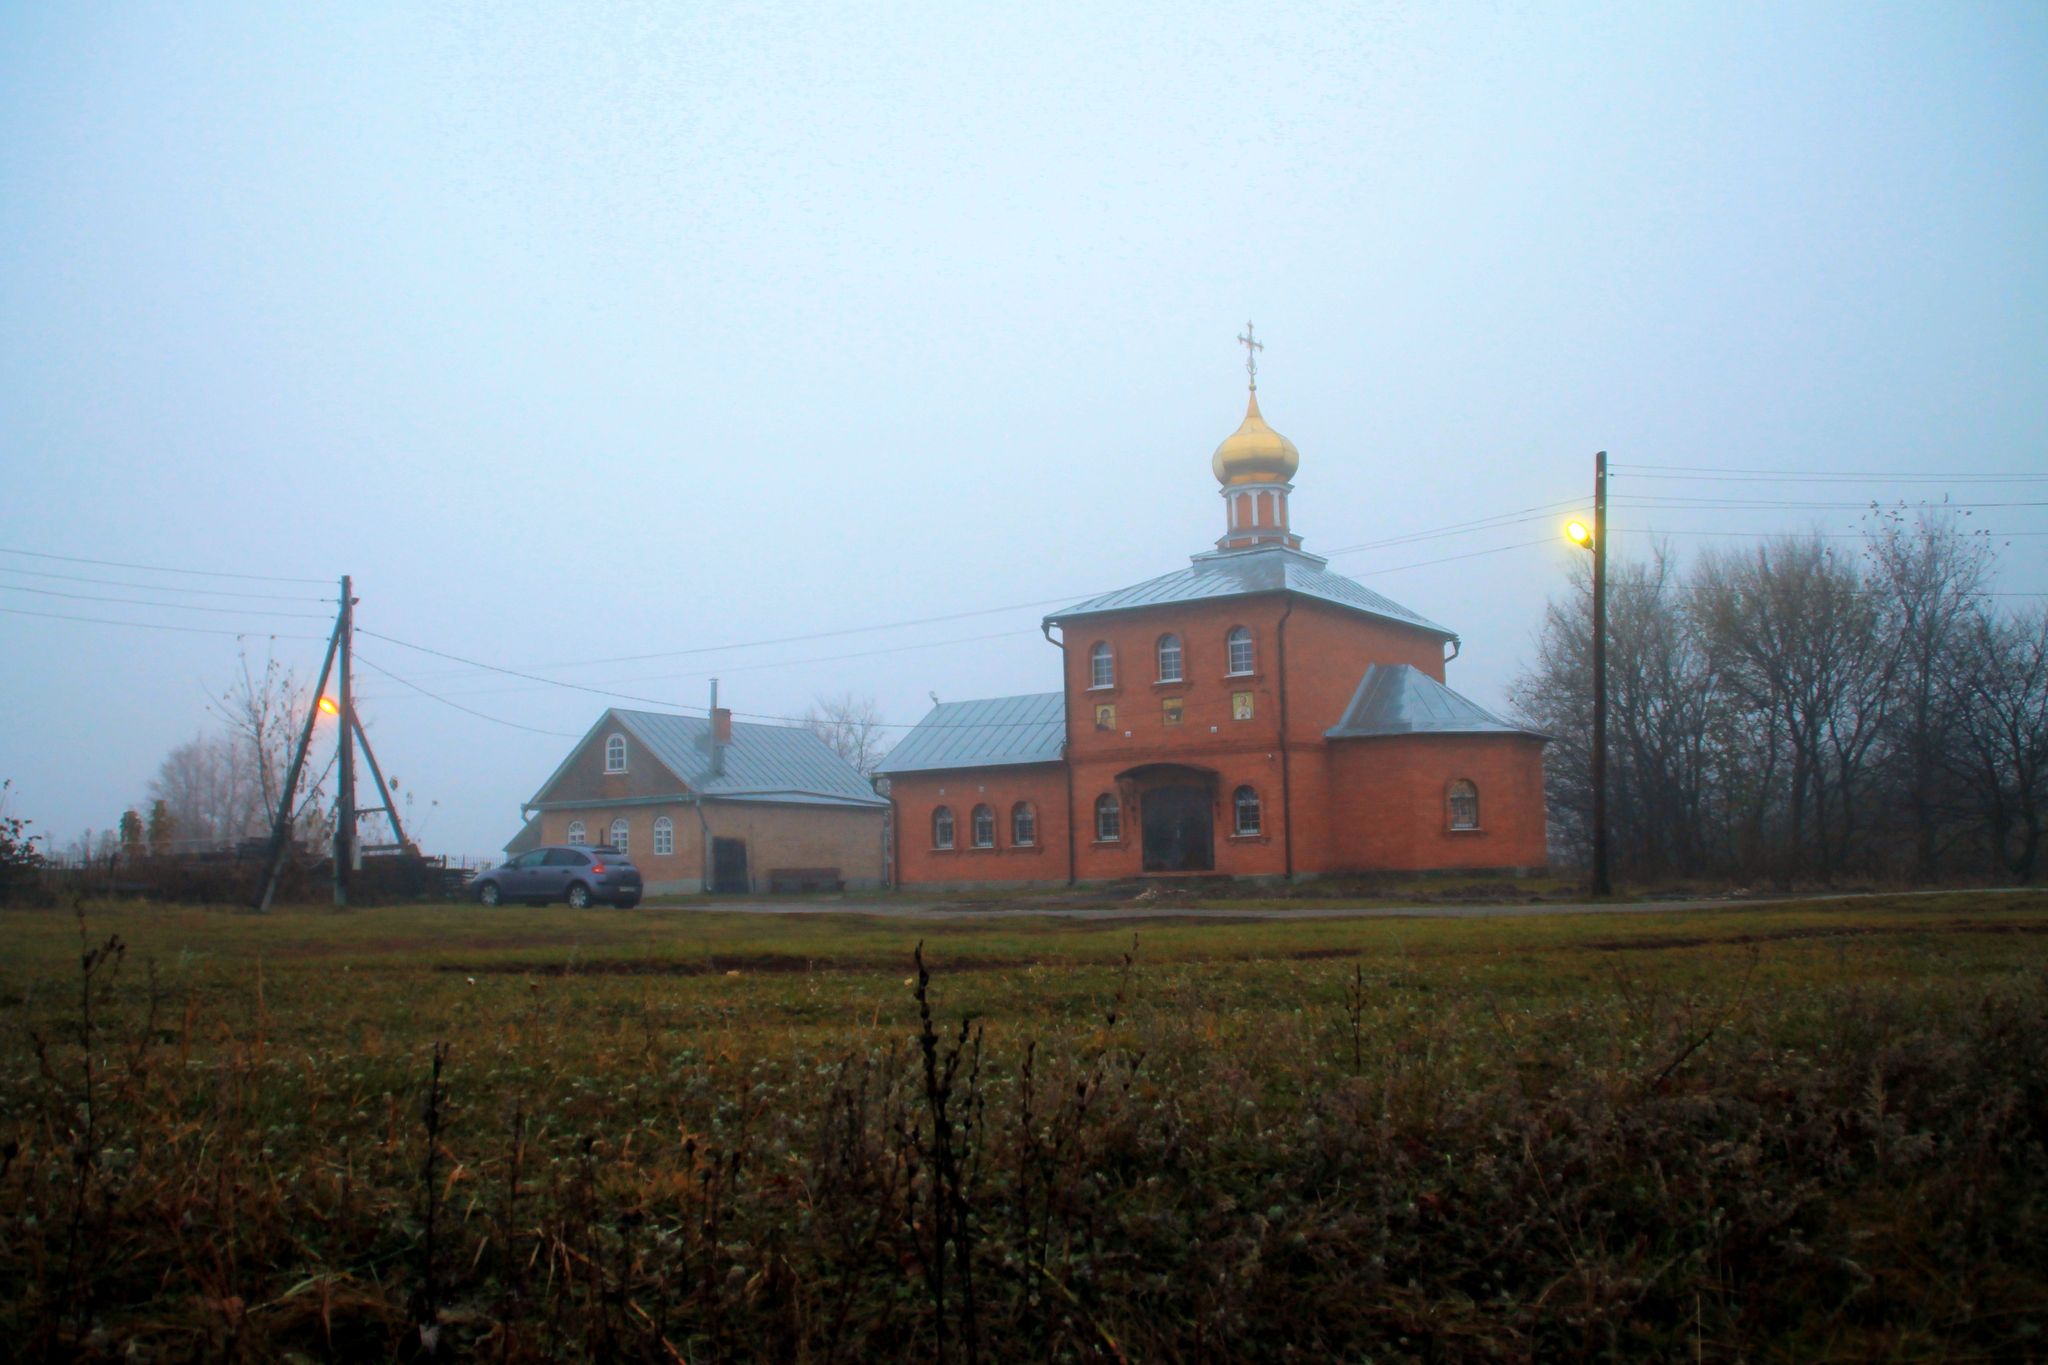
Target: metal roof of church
<point>994,732</point>
<point>763,762</point>
<point>1240,573</point>
<point>1400,699</point>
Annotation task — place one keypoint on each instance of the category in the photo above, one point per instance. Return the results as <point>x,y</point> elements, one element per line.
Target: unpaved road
<point>1139,910</point>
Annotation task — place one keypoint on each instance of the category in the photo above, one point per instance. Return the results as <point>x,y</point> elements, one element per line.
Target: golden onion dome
<point>1255,453</point>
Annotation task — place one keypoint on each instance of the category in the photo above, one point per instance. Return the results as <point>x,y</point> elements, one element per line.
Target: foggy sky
<point>575,333</point>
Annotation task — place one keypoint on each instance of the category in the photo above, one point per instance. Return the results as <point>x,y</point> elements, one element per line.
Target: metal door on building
<point>1179,830</point>
<point>729,866</point>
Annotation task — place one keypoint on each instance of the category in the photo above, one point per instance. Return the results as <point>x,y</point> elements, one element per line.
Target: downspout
<point>895,840</point>
<point>1457,648</point>
<point>1286,786</point>
<point>703,845</point>
<point>1066,745</point>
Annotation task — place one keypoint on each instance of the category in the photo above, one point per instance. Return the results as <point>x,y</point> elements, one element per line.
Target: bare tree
<point>852,726</point>
<point>2001,687</point>
<point>224,786</point>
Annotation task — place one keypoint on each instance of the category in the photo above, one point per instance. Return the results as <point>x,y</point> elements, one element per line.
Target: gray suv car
<point>576,873</point>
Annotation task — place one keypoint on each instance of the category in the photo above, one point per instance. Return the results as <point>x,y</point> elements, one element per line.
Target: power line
<point>1720,472</point>
<point>495,720</point>
<point>162,587</point>
<point>172,606</point>
<point>1844,478</point>
<point>160,568</point>
<point>152,625</point>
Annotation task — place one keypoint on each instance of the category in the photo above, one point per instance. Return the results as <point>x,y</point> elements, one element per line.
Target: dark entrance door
<point>729,865</point>
<point>1179,831</point>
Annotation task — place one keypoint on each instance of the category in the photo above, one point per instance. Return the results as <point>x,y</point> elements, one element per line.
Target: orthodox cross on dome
<point>1251,359</point>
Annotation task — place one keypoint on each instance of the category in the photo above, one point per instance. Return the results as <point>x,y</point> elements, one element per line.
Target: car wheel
<point>627,902</point>
<point>489,894</point>
<point>579,896</point>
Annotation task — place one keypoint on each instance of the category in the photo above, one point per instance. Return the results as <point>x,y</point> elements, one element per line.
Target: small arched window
<point>942,827</point>
<point>1239,643</point>
<point>620,834</point>
<point>1023,825</point>
<point>1464,804</point>
<point>664,837</point>
<point>1245,805</point>
<point>1101,665</point>
<point>575,834</point>
<point>984,827</point>
<point>1169,658</point>
<point>1109,819</point>
<point>615,754</point>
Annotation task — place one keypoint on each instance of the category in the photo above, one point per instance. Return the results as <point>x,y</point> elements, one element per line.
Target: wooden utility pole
<point>281,824</point>
<point>345,777</point>
<point>1602,885</point>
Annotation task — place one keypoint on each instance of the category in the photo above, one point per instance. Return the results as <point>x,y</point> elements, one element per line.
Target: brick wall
<point>1387,803</point>
<point>583,778</point>
<point>848,838</point>
<point>917,795</point>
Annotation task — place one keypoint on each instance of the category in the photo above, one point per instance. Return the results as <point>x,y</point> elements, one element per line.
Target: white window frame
<point>982,812</point>
<point>1241,636</point>
<point>1109,819</point>
<point>1101,666</point>
<point>615,754</point>
<point>943,813</point>
<point>577,834</point>
<point>621,835</point>
<point>1170,654</point>
<point>664,837</point>
<point>1024,825</point>
<point>1246,798</point>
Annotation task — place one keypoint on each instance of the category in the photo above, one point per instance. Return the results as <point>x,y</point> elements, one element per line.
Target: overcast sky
<point>583,332</point>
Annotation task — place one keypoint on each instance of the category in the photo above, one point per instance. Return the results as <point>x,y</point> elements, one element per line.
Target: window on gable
<point>1239,642</point>
<point>615,754</point>
<point>984,827</point>
<point>576,833</point>
<point>1023,825</point>
<point>1101,665</point>
<point>621,831</point>
<point>942,827</point>
<point>1169,658</point>
<point>1109,819</point>
<point>664,837</point>
<point>1464,805</point>
<point>1245,804</point>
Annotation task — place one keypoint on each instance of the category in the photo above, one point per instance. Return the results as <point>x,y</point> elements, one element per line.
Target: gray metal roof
<point>763,762</point>
<point>995,732</point>
<point>1238,573</point>
<point>1400,699</point>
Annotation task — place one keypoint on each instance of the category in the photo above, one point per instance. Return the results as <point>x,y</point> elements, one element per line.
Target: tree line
<point>1804,710</point>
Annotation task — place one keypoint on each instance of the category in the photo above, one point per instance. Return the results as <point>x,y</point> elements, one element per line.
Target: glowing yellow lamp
<point>1579,534</point>
<point>329,706</point>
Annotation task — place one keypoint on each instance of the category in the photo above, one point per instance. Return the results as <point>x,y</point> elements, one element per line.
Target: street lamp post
<point>1595,540</point>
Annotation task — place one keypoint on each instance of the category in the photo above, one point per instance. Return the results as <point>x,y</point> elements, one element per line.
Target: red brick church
<point>1250,715</point>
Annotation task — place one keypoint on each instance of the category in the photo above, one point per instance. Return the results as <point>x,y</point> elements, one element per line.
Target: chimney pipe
<point>721,732</point>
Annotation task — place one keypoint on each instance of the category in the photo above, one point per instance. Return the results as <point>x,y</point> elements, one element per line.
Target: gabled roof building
<point>1253,714</point>
<point>702,803</point>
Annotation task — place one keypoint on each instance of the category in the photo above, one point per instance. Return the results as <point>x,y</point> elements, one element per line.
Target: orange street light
<point>1579,534</point>
<point>328,706</point>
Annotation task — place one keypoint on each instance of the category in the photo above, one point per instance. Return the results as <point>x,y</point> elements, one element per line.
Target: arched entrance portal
<point>1176,816</point>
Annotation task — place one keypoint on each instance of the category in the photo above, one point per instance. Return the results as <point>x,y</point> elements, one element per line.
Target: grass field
<point>1802,1131</point>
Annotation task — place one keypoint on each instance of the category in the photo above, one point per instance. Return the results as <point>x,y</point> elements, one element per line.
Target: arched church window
<point>621,832</point>
<point>1101,665</point>
<point>575,834</point>
<point>1109,819</point>
<point>615,754</point>
<point>664,837</point>
<point>1023,825</point>
<point>984,827</point>
<point>1169,658</point>
<point>1464,803</point>
<point>1245,804</point>
<point>942,827</point>
<point>1239,642</point>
